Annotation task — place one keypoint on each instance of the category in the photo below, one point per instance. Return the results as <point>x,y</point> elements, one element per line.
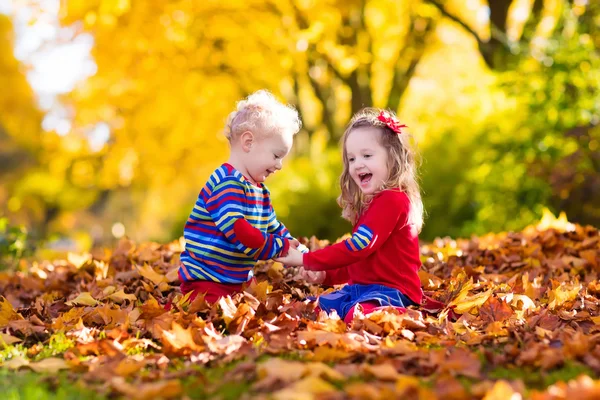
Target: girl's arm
<point>336,276</point>
<point>226,207</point>
<point>386,211</point>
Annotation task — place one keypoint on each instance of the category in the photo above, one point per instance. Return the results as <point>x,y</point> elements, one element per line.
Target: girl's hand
<point>293,258</point>
<point>314,277</point>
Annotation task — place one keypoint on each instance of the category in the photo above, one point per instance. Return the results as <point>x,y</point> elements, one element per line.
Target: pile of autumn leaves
<point>526,301</point>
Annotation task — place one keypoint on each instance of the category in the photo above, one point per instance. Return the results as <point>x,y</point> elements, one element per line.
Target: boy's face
<point>367,159</point>
<point>266,154</point>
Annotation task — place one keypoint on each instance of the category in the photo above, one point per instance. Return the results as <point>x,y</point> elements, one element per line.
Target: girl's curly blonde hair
<point>401,164</point>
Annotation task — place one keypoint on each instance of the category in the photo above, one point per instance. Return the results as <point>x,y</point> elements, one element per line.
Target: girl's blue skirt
<point>344,299</point>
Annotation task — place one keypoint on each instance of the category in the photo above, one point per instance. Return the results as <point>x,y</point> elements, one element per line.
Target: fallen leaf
<point>147,391</point>
<point>83,299</point>
<point>149,273</point>
<point>49,365</point>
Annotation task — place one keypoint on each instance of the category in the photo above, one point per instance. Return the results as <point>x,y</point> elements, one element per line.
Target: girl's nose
<point>279,164</point>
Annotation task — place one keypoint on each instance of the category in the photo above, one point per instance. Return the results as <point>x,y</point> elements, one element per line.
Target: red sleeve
<point>252,237</point>
<point>387,210</point>
<point>336,276</point>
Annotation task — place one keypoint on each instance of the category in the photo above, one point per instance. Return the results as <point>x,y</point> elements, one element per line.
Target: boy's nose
<point>279,164</point>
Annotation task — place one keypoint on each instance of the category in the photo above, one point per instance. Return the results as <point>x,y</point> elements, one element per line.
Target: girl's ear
<point>247,141</point>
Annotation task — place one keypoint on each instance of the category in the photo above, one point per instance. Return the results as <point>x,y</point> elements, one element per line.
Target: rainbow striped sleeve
<point>360,239</point>
<point>278,228</point>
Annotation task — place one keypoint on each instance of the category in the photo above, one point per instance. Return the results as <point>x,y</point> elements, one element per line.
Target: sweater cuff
<point>286,248</point>
<point>305,261</point>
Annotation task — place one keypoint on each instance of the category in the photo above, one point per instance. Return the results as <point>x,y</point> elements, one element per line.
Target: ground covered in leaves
<point>521,322</point>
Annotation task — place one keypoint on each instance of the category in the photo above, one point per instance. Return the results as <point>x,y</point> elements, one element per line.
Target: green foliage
<point>29,385</point>
<point>13,244</point>
<point>538,379</point>
<point>540,148</point>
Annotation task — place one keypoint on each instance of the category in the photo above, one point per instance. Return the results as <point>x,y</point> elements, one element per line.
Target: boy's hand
<point>315,277</point>
<point>293,258</point>
<point>294,243</point>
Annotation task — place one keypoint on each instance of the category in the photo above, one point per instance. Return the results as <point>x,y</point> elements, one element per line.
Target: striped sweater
<point>232,225</point>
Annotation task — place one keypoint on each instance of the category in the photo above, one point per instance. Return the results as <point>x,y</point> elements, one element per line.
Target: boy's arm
<point>278,228</point>
<point>387,210</point>
<point>226,206</point>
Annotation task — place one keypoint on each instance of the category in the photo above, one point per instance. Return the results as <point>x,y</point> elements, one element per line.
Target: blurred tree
<point>43,175</point>
<point>511,30</point>
<point>166,85</point>
<point>542,150</point>
<point>20,119</point>
<point>168,73</point>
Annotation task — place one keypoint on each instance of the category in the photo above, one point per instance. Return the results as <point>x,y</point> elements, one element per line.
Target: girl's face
<point>367,159</point>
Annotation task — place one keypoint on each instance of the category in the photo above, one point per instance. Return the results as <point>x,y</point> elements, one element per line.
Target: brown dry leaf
<point>323,371</point>
<point>49,365</point>
<point>15,362</point>
<point>130,366</point>
<point>384,372</point>
<point>284,370</point>
<point>7,340</point>
<point>173,275</point>
<point>147,391</point>
<point>494,310</point>
<point>307,388</point>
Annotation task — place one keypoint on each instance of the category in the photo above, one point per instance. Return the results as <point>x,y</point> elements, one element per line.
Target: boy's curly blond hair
<point>262,114</point>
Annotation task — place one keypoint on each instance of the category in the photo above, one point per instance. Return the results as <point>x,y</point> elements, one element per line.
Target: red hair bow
<point>391,122</point>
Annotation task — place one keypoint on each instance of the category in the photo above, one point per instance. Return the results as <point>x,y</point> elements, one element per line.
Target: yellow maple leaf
<point>468,303</point>
<point>502,391</point>
<point>146,391</point>
<point>149,273</point>
<point>7,312</point>
<point>562,294</point>
<point>83,299</point>
<point>306,388</point>
<point>120,296</point>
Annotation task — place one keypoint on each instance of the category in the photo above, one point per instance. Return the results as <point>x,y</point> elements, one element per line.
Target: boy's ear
<point>247,140</point>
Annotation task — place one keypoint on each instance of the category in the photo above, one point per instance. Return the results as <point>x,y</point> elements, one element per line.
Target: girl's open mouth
<point>365,178</point>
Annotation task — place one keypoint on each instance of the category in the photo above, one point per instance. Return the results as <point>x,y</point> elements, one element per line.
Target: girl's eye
<point>276,156</point>
<point>367,156</point>
<point>351,159</point>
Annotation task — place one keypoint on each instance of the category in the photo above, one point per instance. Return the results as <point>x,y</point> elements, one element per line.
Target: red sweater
<point>383,249</point>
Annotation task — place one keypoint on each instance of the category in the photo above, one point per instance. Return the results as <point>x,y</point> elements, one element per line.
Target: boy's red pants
<point>214,290</point>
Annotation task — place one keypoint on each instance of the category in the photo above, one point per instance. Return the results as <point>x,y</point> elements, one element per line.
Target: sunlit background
<point>111,111</point>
